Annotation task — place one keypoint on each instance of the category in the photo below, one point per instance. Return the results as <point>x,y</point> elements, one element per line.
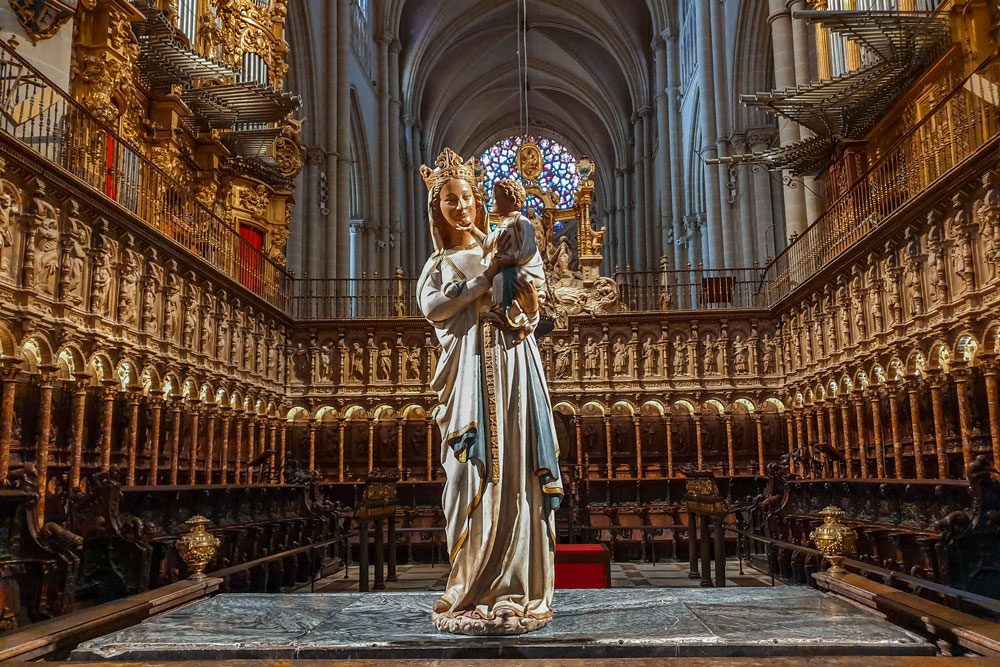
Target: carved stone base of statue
<point>474,624</point>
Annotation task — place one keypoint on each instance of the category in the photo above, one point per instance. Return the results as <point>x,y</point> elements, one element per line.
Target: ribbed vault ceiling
<point>589,69</point>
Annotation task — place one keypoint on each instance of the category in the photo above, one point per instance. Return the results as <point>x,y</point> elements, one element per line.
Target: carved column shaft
<point>76,436</point>
<point>697,439</point>
<point>430,445</point>
<point>859,416</point>
<point>273,443</point>
<point>918,436</point>
<point>44,434</point>
<point>834,440</point>
<point>845,420</point>
<point>209,443</point>
<point>340,452</point>
<point>638,448</point>
<point>312,446</point>
<point>579,441</point>
<point>251,446</point>
<point>877,433</point>
<point>155,402</point>
<point>607,444</point>
<point>175,440</point>
<point>132,438</point>
<point>238,448</point>
<point>897,440</point>
<point>9,381</point>
<point>800,439</point>
<point>760,444</point>
<point>399,447</point>
<point>193,444</point>
<point>371,445</point>
<point>937,409</point>
<point>729,445</point>
<point>991,373</point>
<point>281,451</point>
<point>224,445</point>
<point>670,446</point>
<point>790,430</point>
<point>961,376</point>
<point>108,406</point>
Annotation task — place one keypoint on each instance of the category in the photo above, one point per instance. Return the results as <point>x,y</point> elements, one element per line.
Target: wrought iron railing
<point>36,113</point>
<point>691,289</point>
<point>955,129</point>
<point>334,298</point>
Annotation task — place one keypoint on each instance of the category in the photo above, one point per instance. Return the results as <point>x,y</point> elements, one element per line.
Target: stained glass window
<point>558,170</point>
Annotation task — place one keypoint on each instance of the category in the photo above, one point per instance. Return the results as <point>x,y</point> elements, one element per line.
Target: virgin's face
<point>458,203</point>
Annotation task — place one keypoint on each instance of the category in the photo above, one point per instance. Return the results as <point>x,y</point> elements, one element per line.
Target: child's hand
<point>498,262</point>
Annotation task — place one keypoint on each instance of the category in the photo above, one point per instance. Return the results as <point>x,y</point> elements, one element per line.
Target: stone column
<point>709,133</point>
<point>663,180</point>
<point>132,437</point>
<point>238,446</point>
<point>637,229</point>
<point>960,374</point>
<point>935,380</point>
<point>897,440</point>
<point>758,141</point>
<point>45,382</point>
<point>991,374</point>
<point>697,439</point>
<point>108,394</point>
<point>638,446</point>
<point>273,446</point>
<point>913,390</point>
<point>155,401</point>
<point>76,436</point>
<point>381,165</point>
<point>859,415</point>
<point>282,450</point>
<point>175,438</point>
<point>393,157</point>
<point>877,433</point>
<point>800,438</point>
<point>209,442</point>
<point>8,379</point>
<point>845,418</point>
<point>312,445</point>
<point>783,45</point>
<point>430,445</point>
<point>801,40</point>
<point>832,414</point>
<point>252,446</point>
<point>730,231</point>
<point>371,445</point>
<point>399,447</point>
<point>728,419</point>
<point>193,446</point>
<point>343,146</point>
<point>760,444</point>
<point>225,411</point>
<point>579,441</point>
<point>670,446</point>
<point>676,158</point>
<point>340,453</point>
<point>620,219</point>
<point>790,429</point>
<point>607,444</point>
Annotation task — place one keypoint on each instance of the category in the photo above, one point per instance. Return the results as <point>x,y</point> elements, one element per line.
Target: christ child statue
<point>515,236</point>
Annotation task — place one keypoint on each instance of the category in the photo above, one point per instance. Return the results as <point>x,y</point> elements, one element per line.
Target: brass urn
<point>834,539</point>
<point>197,548</point>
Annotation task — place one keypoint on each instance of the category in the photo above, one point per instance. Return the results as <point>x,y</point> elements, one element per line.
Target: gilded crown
<point>447,166</point>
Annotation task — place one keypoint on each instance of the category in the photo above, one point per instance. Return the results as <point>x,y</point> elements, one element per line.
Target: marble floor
<point>423,577</point>
<point>611,623</point>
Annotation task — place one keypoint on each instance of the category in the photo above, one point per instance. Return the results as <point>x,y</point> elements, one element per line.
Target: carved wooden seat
<point>630,531</point>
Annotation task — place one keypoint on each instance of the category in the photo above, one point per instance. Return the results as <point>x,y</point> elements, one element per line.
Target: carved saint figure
<point>650,357</point>
<point>590,358</point>
<point>384,362</point>
<point>101,282</point>
<point>7,211</point>
<point>741,356</point>
<point>711,361</point>
<point>325,368</point>
<point>74,259</point>
<point>680,365</point>
<point>300,363</point>
<point>502,486</point>
<point>563,356</point>
<point>127,287</point>
<point>770,354</point>
<point>47,252</point>
<point>620,357</point>
<point>357,363</point>
<point>413,363</point>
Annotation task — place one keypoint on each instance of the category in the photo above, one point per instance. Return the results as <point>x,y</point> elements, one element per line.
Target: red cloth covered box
<point>583,566</point>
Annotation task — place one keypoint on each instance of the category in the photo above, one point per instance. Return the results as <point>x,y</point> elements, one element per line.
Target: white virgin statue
<point>498,444</point>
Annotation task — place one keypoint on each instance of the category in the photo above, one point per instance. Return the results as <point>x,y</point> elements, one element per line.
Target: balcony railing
<point>955,129</point>
<point>692,289</point>
<point>36,113</point>
<point>333,298</point>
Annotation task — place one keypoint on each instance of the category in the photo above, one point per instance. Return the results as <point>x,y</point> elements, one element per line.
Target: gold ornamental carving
<point>240,27</point>
<point>42,19</point>
<point>834,540</point>
<point>288,149</point>
<point>529,161</point>
<point>197,548</point>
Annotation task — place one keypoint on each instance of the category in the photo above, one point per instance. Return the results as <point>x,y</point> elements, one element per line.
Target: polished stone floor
<point>426,577</point>
<point>637,622</point>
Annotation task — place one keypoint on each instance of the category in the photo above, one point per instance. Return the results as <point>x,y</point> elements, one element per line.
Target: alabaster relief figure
<point>499,447</point>
<point>384,363</point>
<point>680,361</point>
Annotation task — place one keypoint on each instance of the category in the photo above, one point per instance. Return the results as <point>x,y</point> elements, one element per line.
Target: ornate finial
<point>197,548</point>
<point>447,166</point>
<point>834,539</point>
